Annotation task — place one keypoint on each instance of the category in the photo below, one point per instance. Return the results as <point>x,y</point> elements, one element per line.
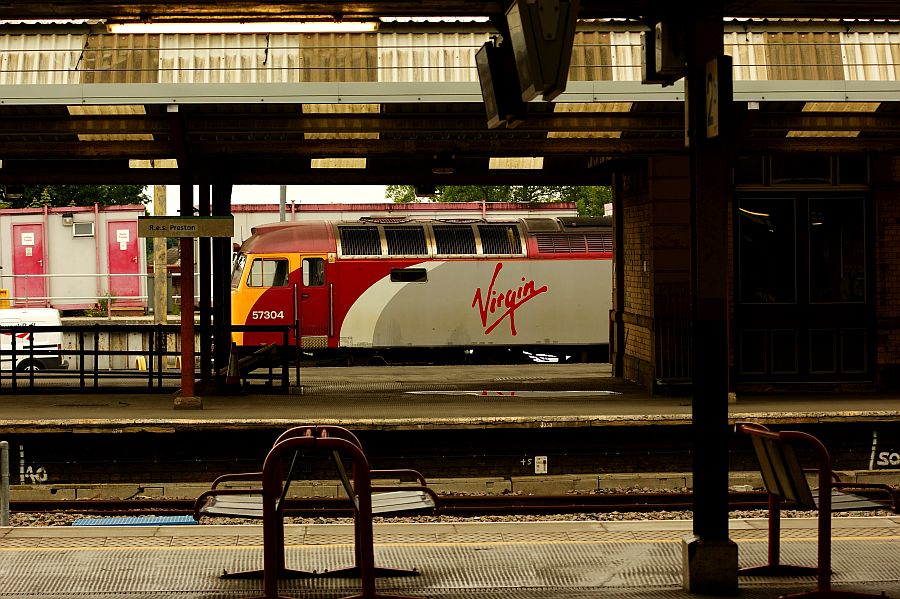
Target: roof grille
<point>360,241</point>
<point>549,243</point>
<point>405,241</point>
<point>454,239</point>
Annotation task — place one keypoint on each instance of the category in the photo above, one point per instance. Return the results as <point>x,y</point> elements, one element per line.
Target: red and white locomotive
<point>388,284</point>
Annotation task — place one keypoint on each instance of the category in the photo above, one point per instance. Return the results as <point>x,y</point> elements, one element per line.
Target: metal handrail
<point>84,369</point>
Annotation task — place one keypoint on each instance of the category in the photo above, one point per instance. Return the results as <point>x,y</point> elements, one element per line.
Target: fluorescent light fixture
<point>341,109</point>
<point>153,163</point>
<point>839,107</point>
<point>525,163</point>
<point>338,163</point>
<point>102,110</point>
<point>585,107</point>
<point>823,134</point>
<point>246,27</point>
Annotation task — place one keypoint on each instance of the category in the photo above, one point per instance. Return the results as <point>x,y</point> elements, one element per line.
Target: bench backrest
<point>781,471</point>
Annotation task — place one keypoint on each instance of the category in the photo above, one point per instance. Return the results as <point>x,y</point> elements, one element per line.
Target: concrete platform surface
<point>385,397</point>
<point>466,560</point>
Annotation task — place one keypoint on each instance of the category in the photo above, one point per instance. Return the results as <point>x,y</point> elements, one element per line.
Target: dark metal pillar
<point>205,306</point>
<point>187,397</point>
<point>617,324</point>
<point>710,557</point>
<point>221,283</point>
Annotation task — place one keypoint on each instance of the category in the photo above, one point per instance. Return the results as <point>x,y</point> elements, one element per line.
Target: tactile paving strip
<point>470,563</point>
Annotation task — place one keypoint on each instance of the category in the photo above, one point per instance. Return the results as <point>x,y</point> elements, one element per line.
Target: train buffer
<point>785,480</point>
<point>266,498</point>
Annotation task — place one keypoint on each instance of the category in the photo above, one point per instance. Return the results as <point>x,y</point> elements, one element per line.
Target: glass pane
<point>837,265</point>
<point>753,352</point>
<point>268,273</point>
<point>766,229</point>
<point>748,170</point>
<point>853,350</point>
<point>313,272</point>
<point>237,270</point>
<point>853,170</point>
<point>801,168</point>
<point>784,351</point>
<point>822,351</point>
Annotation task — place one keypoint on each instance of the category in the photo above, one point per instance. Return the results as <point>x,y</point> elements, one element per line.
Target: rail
<point>151,361</point>
<point>451,505</point>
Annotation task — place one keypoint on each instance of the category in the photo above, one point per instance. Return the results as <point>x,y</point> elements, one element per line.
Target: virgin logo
<point>494,306</point>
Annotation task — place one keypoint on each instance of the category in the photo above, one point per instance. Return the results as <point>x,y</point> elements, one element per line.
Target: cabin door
<point>315,303</point>
<point>29,270</point>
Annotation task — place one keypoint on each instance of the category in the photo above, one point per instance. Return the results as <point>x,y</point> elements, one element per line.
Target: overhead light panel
<point>245,27</point>
<point>516,163</point>
<point>338,163</point>
<point>153,163</point>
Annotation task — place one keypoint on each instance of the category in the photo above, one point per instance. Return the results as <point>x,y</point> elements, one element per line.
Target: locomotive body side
<point>415,286</point>
<point>462,303</point>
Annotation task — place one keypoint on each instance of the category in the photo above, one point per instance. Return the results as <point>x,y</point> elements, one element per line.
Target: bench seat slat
<point>847,502</point>
<point>400,501</point>
<point>250,506</point>
<point>238,506</point>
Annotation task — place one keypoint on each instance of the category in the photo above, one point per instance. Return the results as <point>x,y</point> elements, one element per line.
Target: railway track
<point>451,505</point>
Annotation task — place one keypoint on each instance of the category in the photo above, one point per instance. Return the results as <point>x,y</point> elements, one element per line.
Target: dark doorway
<point>803,308</point>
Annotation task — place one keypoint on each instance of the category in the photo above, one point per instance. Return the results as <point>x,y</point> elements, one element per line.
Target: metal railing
<point>57,295</point>
<point>152,369</point>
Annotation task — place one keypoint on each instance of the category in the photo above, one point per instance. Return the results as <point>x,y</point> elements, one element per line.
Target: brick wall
<point>655,258</point>
<point>671,248</point>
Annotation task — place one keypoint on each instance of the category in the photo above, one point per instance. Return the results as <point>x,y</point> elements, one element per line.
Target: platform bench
<point>785,480</point>
<point>267,498</point>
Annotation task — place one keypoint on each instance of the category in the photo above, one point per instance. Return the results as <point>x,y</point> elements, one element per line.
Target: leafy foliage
<point>589,200</point>
<point>37,196</point>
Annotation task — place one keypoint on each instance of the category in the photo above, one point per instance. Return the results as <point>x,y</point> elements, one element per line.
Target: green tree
<point>589,200</point>
<point>37,196</point>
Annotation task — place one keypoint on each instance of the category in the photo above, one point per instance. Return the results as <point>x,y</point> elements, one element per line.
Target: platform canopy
<point>105,108</point>
<point>291,9</point>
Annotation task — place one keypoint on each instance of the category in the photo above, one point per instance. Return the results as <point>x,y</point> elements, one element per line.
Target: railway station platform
<point>426,397</point>
<point>523,560</point>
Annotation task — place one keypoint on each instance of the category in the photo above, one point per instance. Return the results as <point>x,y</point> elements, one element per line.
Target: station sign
<point>185,226</point>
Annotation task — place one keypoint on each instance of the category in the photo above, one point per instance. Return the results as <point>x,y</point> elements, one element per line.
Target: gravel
<point>66,519</point>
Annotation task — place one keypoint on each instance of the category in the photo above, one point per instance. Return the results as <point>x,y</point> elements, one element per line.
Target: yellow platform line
<point>425,544</point>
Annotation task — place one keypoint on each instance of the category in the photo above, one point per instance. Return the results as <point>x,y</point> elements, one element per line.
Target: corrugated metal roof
<point>870,54</point>
<point>40,59</point>
<point>428,57</point>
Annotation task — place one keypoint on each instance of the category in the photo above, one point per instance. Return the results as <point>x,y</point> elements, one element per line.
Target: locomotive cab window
<point>409,275</point>
<point>268,272</point>
<point>237,269</point>
<point>313,272</point>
